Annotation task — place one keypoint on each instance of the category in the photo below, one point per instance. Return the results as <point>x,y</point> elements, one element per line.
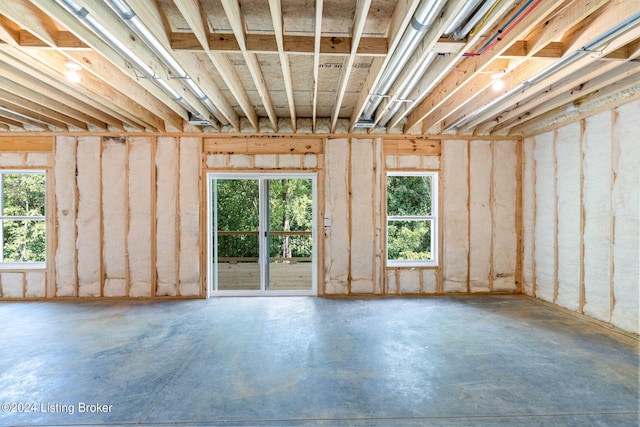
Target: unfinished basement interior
<point>320,212</point>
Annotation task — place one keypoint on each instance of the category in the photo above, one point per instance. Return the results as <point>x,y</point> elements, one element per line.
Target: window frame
<point>433,218</point>
<point>27,265</point>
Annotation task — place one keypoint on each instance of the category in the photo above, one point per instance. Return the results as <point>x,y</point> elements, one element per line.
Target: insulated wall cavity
<point>337,235</point>
<point>455,251</point>
<point>545,221</point>
<point>189,210</point>
<point>89,238</point>
<point>139,236</point>
<point>504,196</point>
<point>65,221</point>
<point>166,216</point>
<point>626,212</point>
<point>480,215</point>
<point>528,215</point>
<point>127,218</point>
<point>594,186</point>
<point>569,225</point>
<point>597,216</point>
<point>363,206</point>
<point>114,216</point>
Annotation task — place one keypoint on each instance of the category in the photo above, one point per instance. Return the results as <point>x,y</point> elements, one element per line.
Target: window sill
<point>409,264</point>
<point>23,265</point>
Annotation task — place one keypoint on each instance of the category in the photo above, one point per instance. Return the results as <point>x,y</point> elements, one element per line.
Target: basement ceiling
<point>469,67</point>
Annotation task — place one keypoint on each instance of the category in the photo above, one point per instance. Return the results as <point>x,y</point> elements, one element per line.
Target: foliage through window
<point>23,214</point>
<point>412,201</point>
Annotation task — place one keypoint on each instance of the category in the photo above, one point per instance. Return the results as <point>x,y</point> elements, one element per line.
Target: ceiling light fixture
<point>72,72</point>
<point>498,83</point>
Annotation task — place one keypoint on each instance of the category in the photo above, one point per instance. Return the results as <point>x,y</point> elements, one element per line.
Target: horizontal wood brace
<point>26,143</point>
<point>272,145</point>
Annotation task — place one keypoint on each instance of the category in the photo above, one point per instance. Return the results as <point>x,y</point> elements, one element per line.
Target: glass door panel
<point>289,235</point>
<point>237,236</point>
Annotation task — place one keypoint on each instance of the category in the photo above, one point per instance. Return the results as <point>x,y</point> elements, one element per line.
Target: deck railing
<point>284,246</point>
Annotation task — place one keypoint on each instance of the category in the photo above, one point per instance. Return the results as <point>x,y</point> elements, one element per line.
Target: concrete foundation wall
<point>581,216</point>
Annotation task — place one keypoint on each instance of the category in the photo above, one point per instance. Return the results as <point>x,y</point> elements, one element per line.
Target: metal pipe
<point>129,16</point>
<point>484,9</point>
<point>587,48</point>
<point>415,78</point>
<point>469,6</point>
<point>421,21</point>
<point>83,16</point>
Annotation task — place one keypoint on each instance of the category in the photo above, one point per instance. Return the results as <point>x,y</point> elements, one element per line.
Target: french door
<point>262,234</point>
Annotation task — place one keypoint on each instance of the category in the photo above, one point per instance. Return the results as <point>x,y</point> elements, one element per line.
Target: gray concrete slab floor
<point>450,361</point>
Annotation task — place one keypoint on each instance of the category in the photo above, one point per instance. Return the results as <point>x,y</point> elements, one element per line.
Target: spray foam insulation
<point>363,206</point>
<point>505,239</point>
<point>139,238</point>
<point>65,180</point>
<point>337,210</point>
<point>597,220</point>
<point>166,216</point>
<point>528,202</point>
<point>626,210</point>
<point>456,216</point>
<point>189,208</point>
<point>114,195</point>
<point>88,223</point>
<point>545,225</point>
<point>480,224</point>
<point>569,229</point>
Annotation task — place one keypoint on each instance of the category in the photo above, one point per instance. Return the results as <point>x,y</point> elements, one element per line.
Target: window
<point>22,217</point>
<point>412,206</point>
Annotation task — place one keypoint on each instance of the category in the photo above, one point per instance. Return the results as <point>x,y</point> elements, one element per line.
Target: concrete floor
<point>460,361</point>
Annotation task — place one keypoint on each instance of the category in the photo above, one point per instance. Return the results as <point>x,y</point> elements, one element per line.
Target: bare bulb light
<point>72,73</point>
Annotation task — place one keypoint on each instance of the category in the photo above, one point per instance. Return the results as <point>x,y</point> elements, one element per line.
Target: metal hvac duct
<point>421,21</point>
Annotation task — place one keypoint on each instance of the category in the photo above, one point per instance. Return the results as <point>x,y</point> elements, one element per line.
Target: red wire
<point>513,24</point>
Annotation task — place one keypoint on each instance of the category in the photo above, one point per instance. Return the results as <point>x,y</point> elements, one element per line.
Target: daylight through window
<point>23,217</point>
<point>412,206</point>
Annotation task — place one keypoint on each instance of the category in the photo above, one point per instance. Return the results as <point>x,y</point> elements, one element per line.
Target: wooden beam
<point>587,80</point>
<point>524,74</point>
<point>273,145</point>
<point>193,15</point>
<point>425,147</point>
<point>37,97</point>
<point>451,85</point>
<point>316,60</point>
<point>362,9</point>
<point>278,27</point>
<point>62,39</point>
<point>117,28</point>
<point>51,93</point>
<point>26,143</point>
<point>234,15</point>
<point>151,16</point>
<point>18,108</point>
<point>606,99</point>
<point>53,9</point>
<point>23,120</point>
<point>301,45</point>
<point>519,49</point>
<point>40,109</point>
